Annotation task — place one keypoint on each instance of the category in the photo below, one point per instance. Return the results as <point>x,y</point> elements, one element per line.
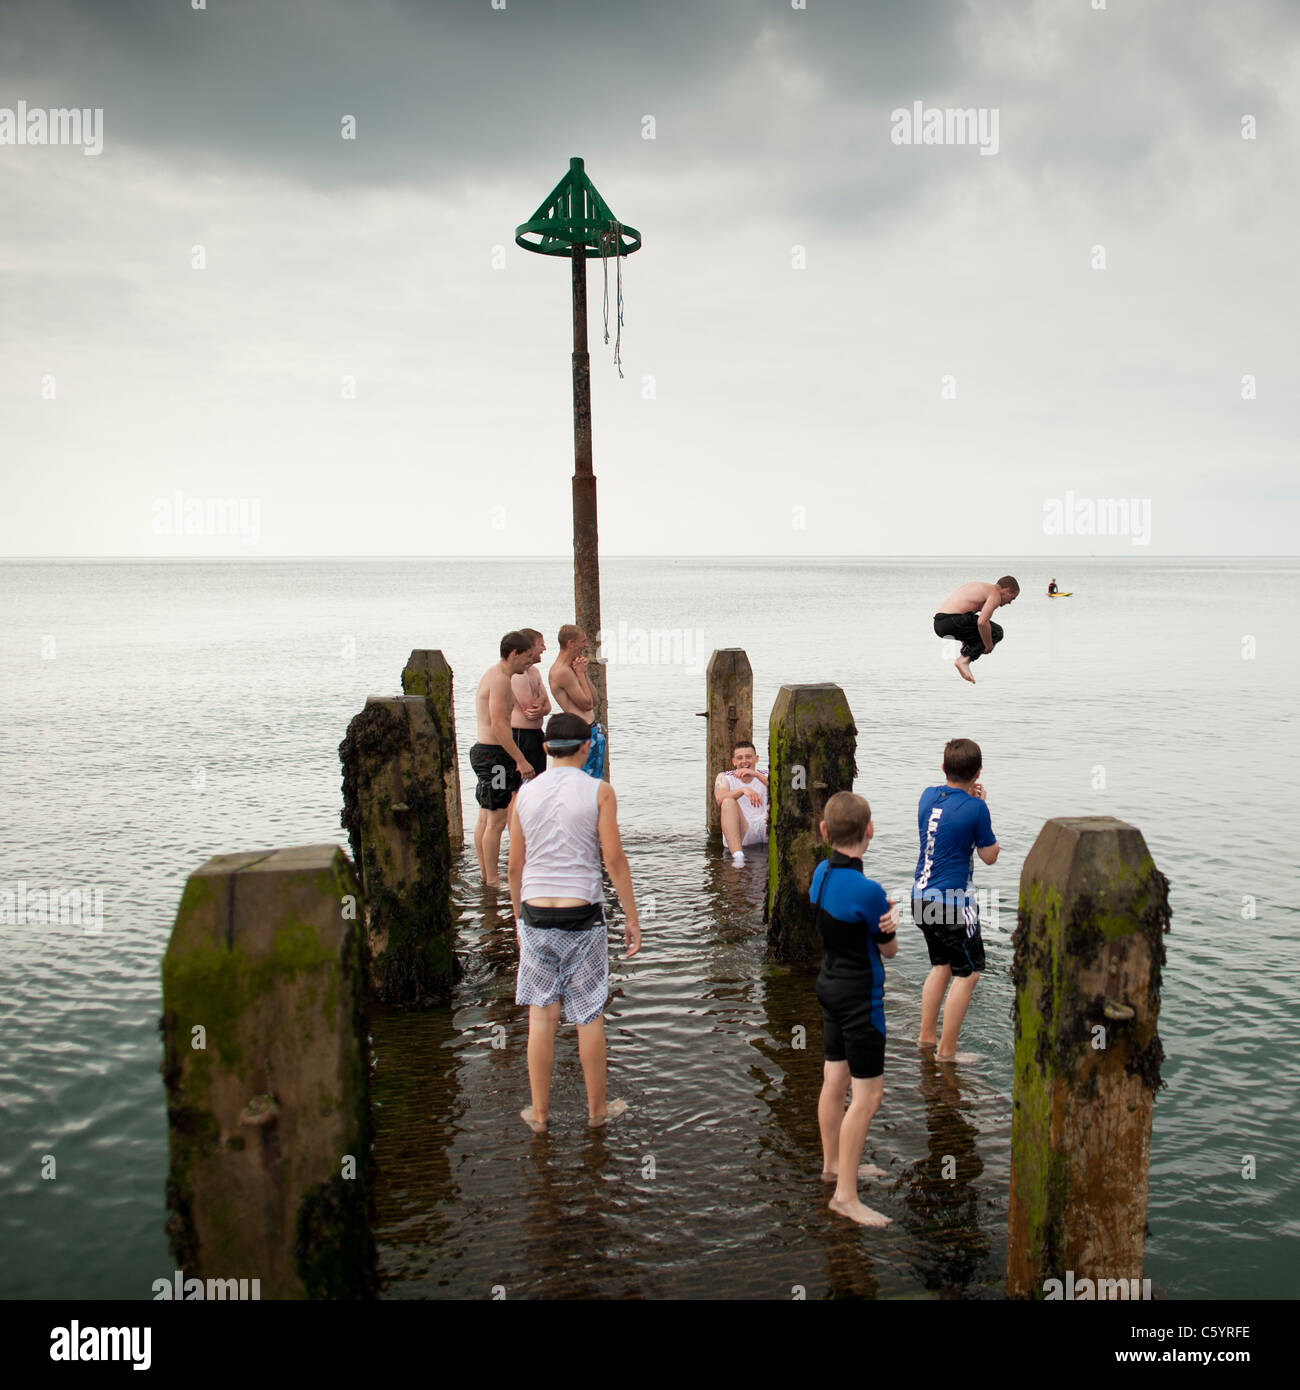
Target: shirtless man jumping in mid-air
<point>977,635</point>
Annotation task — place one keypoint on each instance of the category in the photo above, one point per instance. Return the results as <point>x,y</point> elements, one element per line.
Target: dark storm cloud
<point>451,91</point>
<point>791,106</point>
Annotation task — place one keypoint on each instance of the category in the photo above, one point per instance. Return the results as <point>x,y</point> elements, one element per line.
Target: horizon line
<point>639,555</point>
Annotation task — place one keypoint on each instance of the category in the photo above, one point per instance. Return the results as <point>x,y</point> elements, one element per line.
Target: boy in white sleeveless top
<point>562,823</point>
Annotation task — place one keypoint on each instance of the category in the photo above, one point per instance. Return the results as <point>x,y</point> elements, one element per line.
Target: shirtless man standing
<point>496,758</point>
<point>574,694</point>
<point>532,705</point>
<point>977,635</point>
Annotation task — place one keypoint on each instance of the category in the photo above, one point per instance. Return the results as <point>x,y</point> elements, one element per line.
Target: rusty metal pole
<point>586,548</point>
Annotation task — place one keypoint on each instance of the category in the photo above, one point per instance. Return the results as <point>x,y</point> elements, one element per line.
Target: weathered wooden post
<point>265,1065</point>
<point>812,744</point>
<point>575,221</point>
<point>428,674</point>
<point>729,692</point>
<point>395,813</point>
<point>1089,945</point>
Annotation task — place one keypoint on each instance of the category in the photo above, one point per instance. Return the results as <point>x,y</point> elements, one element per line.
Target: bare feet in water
<point>959,1058</point>
<point>866,1172</point>
<point>613,1110</point>
<point>963,669</point>
<point>925,1045</point>
<point>855,1211</point>
<point>528,1116</point>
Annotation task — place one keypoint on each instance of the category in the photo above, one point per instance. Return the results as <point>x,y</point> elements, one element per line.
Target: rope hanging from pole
<point>610,239</point>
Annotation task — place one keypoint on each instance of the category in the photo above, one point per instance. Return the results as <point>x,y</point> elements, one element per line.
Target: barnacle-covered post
<point>395,813</point>
<point>265,1065</point>
<point>1089,946</point>
<point>428,673</point>
<point>812,744</point>
<point>575,221</point>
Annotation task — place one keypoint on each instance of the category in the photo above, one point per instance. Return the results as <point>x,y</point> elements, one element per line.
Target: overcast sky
<point>834,343</point>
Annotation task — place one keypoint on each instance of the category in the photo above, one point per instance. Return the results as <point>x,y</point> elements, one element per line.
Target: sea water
<point>156,713</point>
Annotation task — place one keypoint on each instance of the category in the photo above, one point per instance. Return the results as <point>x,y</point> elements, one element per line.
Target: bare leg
<point>489,858</point>
<point>953,1014</point>
<point>479,826</point>
<point>542,1023</point>
<point>830,1112</point>
<point>853,1135</point>
<point>591,1053</point>
<point>931,998</point>
<point>963,669</point>
<point>733,832</point>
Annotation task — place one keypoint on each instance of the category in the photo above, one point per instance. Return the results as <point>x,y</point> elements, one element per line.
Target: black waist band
<point>583,918</point>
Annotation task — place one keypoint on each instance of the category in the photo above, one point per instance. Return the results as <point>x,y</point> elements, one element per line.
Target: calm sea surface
<point>155,714</point>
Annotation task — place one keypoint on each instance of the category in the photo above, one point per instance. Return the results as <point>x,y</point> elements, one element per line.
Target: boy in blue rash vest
<point>953,821</point>
<point>857,925</point>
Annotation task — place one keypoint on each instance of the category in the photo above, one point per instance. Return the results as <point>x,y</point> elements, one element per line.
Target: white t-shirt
<point>755,816</point>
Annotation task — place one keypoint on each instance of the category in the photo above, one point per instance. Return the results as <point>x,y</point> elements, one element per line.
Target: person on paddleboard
<point>1051,588</point>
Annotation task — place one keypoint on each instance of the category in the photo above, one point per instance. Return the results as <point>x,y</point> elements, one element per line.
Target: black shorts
<point>848,1034</point>
<point>498,777</point>
<point>530,745</point>
<point>965,628</point>
<point>952,934</point>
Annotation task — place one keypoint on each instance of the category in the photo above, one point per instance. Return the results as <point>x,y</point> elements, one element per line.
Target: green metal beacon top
<point>574,214</point>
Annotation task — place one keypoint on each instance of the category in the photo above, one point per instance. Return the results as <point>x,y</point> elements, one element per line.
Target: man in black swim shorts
<point>966,616</point>
<point>497,760</point>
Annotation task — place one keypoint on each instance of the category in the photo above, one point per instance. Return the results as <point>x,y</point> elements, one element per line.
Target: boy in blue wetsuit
<point>857,924</point>
<point>954,822</point>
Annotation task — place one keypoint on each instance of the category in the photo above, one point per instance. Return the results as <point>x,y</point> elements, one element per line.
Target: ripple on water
<point>226,650</point>
<point>710,1186</point>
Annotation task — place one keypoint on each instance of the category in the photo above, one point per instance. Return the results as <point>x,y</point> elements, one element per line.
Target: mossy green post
<point>428,674</point>
<point>729,699</point>
<point>395,813</point>
<point>812,747</point>
<point>1089,946</point>
<point>266,1071</point>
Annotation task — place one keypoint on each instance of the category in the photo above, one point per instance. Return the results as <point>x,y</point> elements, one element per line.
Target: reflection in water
<point>710,1187</point>
<point>941,1190</point>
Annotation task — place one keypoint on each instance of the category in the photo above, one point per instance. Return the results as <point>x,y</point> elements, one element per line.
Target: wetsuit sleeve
<point>818,874</point>
<point>984,836</point>
<point>875,905</point>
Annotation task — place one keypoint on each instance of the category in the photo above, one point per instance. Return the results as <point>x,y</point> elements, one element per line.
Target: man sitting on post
<point>742,801</point>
